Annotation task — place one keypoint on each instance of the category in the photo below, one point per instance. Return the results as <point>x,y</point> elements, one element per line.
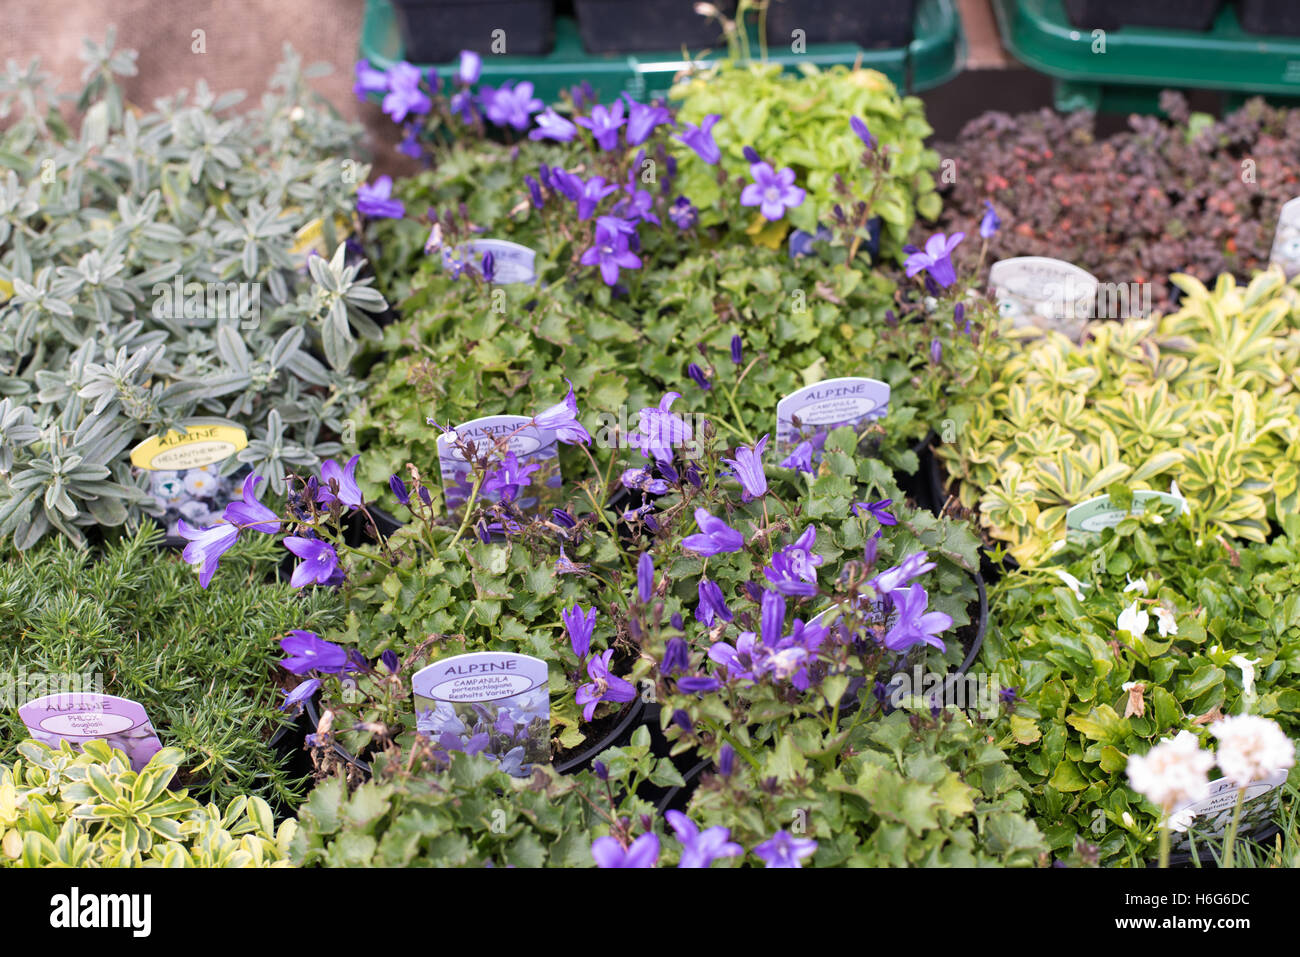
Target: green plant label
<point>522,463</point>
<point>1044,293</point>
<point>511,262</point>
<point>1209,818</point>
<point>496,703</point>
<point>808,415</point>
<point>1098,513</point>
<point>1286,241</point>
<point>78,717</point>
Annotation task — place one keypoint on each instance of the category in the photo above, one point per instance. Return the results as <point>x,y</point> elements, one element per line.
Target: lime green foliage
<point>202,663</point>
<point>67,809</point>
<point>802,121</point>
<point>470,814</point>
<point>1078,724</point>
<point>1206,396</point>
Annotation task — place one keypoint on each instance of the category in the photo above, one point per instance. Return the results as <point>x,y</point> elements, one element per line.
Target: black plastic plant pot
<point>1271,17</point>
<point>1170,14</point>
<point>435,31</point>
<point>919,486</point>
<point>618,734</point>
<point>676,798</point>
<point>873,24</point>
<point>1205,853</point>
<point>631,26</point>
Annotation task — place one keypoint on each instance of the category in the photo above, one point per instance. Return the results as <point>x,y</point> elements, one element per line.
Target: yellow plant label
<point>202,443</point>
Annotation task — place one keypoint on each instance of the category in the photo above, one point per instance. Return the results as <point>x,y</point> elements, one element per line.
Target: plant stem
<point>1230,842</point>
<point>1164,843</point>
<point>469,508</point>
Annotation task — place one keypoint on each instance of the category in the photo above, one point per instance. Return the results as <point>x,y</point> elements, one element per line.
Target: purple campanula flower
<point>772,617</point>
<point>676,656</point>
<point>726,760</point>
<point>932,288</point>
<point>206,546</point>
<point>469,68</point>
<point>660,430</point>
<point>425,497</point>
<point>683,720</point>
<point>589,192</point>
<point>783,576</point>
<point>869,551</point>
<point>800,458</point>
<point>748,467</point>
<point>390,661</point>
<point>562,418</point>
<point>958,314</point>
<point>712,606</point>
<point>608,852</point>
<point>676,621</point>
<point>890,318</point>
<point>309,652</point>
<point>376,201</point>
<point>1009,696</point>
<point>878,510</point>
<point>737,353</point>
<point>552,126</point>
<point>369,80</point>
<point>249,513</point>
<point>914,624</point>
<point>901,575</point>
<point>562,518</point>
<point>772,192</point>
<point>340,482</point>
<point>410,145</point>
<point>751,155</point>
<point>715,536</point>
<point>582,94</point>
<point>641,479</point>
<point>936,258</point>
<point>601,771</point>
<point>488,268</point>
<point>399,489</point>
<point>638,206</point>
<point>512,105</point>
<point>610,251</point>
<point>319,563</point>
<point>604,686</point>
<point>695,372</point>
<point>683,214</point>
<point>645,577</point>
<point>784,850</point>
<point>534,192</point>
<point>738,660</point>
<point>579,624</point>
<point>936,351</point>
<point>604,123</point>
<point>698,684</point>
<point>294,699</point>
<point>860,130</point>
<point>990,223</point>
<point>463,105</point>
<point>404,94</point>
<point>700,139</point>
<point>642,120</point>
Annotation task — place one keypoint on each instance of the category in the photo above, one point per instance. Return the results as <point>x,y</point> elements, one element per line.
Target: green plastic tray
<point>1140,61</point>
<point>935,56</point>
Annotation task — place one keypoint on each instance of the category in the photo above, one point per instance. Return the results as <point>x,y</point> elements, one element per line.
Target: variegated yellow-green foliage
<point>68,809</point>
<point>1205,397</point>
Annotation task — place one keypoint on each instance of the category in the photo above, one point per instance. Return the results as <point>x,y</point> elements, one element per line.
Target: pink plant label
<point>81,717</point>
<point>809,414</point>
<point>495,703</point>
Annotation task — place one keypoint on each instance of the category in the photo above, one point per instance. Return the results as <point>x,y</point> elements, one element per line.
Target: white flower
<point>1127,818</point>
<point>1071,582</point>
<point>1251,748</point>
<point>1165,621</point>
<point>1180,821</point>
<point>1172,773</point>
<point>1133,621</point>
<point>1139,586</point>
<point>1247,666</point>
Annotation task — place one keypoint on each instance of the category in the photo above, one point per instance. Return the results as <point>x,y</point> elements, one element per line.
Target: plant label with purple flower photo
<point>1099,513</point>
<point>1210,817</point>
<point>510,262</point>
<point>809,414</point>
<point>81,717</point>
<point>1043,293</point>
<point>186,470</point>
<point>495,703</point>
<point>1286,241</point>
<point>526,473</point>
